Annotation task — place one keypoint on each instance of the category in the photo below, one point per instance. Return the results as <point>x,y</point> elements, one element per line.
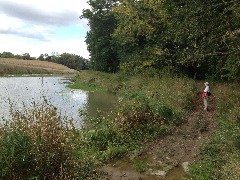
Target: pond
<point>22,92</point>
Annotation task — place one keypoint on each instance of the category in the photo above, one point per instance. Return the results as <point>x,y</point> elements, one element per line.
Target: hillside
<point>17,66</point>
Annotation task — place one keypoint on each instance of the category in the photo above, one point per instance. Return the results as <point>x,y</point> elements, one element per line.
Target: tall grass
<point>37,144</point>
<point>148,107</point>
<point>143,99</point>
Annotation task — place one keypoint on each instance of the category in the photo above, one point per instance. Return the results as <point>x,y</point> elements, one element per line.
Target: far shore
<point>11,66</point>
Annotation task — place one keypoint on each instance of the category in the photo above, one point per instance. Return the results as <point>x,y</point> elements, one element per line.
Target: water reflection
<point>102,102</point>
<point>22,91</point>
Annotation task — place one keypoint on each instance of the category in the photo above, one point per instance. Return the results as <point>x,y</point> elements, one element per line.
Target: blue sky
<point>45,26</point>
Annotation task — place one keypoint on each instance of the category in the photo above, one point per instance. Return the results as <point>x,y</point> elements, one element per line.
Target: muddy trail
<point>168,158</point>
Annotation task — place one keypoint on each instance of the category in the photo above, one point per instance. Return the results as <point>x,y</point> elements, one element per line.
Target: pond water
<point>23,91</point>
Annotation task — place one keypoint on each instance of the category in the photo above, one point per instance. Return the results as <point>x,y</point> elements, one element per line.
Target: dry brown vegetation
<point>17,66</point>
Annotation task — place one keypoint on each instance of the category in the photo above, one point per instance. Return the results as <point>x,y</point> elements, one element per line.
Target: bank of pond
<point>49,131</point>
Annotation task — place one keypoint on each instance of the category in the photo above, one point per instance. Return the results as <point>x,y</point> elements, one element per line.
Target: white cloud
<point>29,26</point>
<point>18,45</point>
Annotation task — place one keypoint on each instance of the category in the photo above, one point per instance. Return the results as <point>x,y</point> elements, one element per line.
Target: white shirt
<point>206,89</point>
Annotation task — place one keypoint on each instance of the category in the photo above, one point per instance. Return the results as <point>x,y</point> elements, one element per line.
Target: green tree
<point>18,56</point>
<point>102,48</point>
<point>41,57</point>
<point>199,38</point>
<point>206,33</point>
<point>222,42</point>
<point>7,55</point>
<point>26,56</point>
<point>141,34</point>
<point>72,61</point>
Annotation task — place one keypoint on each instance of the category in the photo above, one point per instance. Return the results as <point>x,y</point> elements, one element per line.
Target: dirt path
<point>170,152</point>
<point>183,145</point>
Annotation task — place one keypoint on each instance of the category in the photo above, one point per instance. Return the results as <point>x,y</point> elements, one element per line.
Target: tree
<point>70,60</point>
<point>41,57</point>
<point>199,38</point>
<point>26,56</point>
<point>102,48</point>
<point>222,46</point>
<point>141,34</point>
<point>7,55</point>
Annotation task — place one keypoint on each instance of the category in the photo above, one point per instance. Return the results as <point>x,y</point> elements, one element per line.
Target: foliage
<point>101,46</point>
<point>196,38</point>
<point>16,155</point>
<point>6,55</point>
<point>140,27</point>
<point>70,60</point>
<point>146,107</point>
<point>25,56</point>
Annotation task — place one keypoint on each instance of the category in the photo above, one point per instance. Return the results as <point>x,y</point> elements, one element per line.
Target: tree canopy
<point>70,60</point>
<point>102,48</point>
<point>200,38</point>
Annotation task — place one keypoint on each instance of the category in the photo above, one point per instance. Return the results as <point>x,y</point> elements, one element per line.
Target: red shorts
<point>204,94</point>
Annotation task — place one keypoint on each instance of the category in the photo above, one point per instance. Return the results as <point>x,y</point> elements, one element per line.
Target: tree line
<point>25,56</point>
<point>70,60</point>
<point>199,38</point>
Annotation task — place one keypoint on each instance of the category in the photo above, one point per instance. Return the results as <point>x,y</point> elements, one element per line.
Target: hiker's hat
<point>206,83</point>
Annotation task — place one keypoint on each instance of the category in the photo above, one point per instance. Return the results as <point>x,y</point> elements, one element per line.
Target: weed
<point>36,143</point>
<point>140,165</point>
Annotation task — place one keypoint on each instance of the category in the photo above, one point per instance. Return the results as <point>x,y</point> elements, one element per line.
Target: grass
<point>140,165</point>
<point>17,66</point>
<point>148,108</point>
<point>37,144</point>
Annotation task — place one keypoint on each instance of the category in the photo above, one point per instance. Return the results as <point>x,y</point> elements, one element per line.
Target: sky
<point>43,26</point>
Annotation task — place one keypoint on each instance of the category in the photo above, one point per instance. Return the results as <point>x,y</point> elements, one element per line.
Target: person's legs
<point>205,103</point>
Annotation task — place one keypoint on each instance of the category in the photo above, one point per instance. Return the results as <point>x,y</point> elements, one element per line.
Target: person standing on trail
<point>205,93</point>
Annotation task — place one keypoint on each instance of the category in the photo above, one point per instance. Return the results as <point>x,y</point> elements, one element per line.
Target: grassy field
<point>17,66</point>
